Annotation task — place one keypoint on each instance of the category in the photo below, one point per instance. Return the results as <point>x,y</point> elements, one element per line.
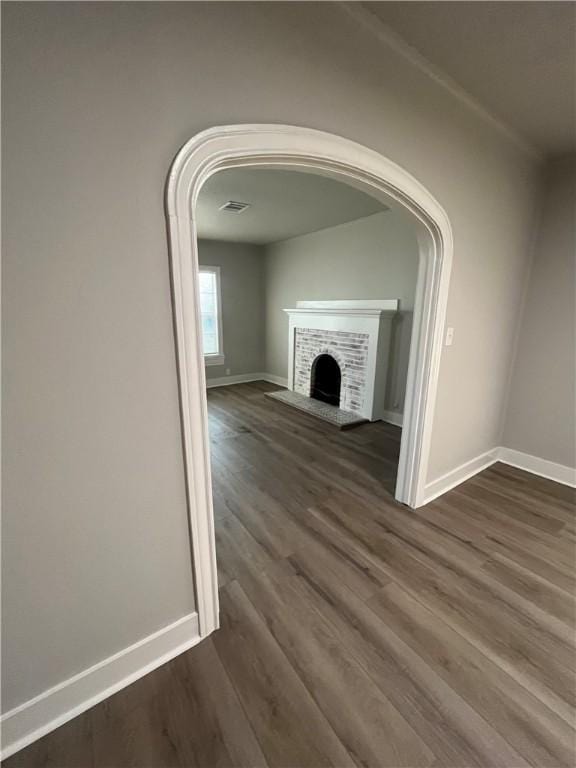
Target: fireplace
<point>325,380</point>
<point>338,353</point>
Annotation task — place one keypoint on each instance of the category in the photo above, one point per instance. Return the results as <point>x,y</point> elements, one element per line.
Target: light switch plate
<point>449,336</point>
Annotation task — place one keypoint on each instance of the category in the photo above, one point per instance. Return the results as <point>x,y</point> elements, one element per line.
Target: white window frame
<point>216,358</point>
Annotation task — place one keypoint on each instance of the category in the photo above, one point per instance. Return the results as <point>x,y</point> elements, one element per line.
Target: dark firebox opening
<point>325,380</point>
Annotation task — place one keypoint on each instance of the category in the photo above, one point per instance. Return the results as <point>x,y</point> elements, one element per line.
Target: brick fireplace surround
<point>357,335</point>
<point>349,349</point>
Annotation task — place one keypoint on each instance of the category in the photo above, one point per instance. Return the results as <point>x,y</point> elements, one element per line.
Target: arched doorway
<point>280,146</point>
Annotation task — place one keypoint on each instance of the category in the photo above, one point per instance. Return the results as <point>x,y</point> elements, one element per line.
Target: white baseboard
<point>549,469</point>
<point>225,381</point>
<point>52,708</point>
<point>393,417</point>
<point>244,378</point>
<point>273,379</point>
<point>533,464</point>
<point>456,476</point>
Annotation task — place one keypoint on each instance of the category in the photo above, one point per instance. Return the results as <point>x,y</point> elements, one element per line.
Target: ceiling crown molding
<point>370,21</point>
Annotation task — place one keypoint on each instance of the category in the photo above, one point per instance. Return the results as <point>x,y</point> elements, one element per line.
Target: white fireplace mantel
<point>365,307</point>
<point>371,321</point>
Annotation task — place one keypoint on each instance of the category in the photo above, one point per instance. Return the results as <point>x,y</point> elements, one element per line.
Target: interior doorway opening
<point>306,296</point>
<point>286,147</point>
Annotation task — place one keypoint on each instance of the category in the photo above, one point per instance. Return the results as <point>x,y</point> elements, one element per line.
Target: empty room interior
<point>288,384</point>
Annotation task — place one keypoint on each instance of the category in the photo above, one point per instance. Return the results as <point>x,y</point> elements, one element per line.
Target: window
<point>211,315</point>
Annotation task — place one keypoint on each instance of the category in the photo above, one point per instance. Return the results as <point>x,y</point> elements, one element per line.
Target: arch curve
<point>292,147</point>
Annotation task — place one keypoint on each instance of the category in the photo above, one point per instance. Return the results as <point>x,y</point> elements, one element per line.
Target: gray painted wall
<point>242,287</point>
<point>541,414</point>
<point>371,258</point>
<point>97,99</point>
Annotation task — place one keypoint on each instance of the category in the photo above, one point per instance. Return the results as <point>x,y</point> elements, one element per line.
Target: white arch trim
<point>294,147</point>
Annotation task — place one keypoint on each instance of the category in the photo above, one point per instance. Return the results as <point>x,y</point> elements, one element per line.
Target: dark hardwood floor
<point>356,632</point>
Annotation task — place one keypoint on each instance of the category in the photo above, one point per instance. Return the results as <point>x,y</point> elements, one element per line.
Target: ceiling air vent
<point>233,206</point>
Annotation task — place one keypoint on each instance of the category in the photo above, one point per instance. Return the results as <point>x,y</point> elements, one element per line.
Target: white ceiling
<point>518,59</point>
<point>283,204</point>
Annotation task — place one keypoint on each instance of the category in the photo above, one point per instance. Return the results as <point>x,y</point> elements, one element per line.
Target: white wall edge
<point>245,378</point>
<point>54,707</point>
<point>537,466</point>
<point>458,475</point>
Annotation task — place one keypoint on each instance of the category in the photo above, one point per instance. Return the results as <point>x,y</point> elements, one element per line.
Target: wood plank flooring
<point>356,632</point>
